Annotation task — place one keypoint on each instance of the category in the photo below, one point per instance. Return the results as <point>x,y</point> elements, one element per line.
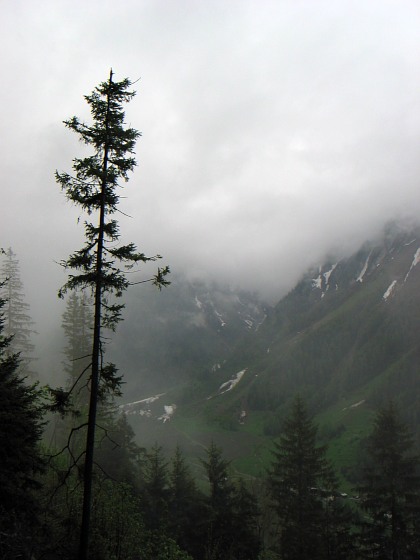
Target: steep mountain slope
<point>345,338</point>
<point>168,337</point>
<point>347,324</point>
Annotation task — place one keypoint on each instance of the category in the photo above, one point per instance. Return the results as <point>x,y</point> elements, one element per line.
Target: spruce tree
<point>337,523</point>
<point>220,504</point>
<point>246,514</point>
<point>155,490</point>
<point>17,321</point>
<point>390,490</point>
<point>232,513</point>
<point>186,507</point>
<point>101,264</point>
<point>221,487</point>
<point>20,456</point>
<point>77,323</point>
<point>297,477</point>
<point>182,494</point>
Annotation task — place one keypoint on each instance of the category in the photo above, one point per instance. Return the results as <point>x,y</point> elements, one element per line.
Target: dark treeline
<point>148,506</point>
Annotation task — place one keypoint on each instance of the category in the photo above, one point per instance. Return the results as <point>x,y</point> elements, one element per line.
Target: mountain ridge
<point>345,338</point>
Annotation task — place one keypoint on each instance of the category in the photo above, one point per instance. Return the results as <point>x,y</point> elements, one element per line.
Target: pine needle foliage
<point>94,187</point>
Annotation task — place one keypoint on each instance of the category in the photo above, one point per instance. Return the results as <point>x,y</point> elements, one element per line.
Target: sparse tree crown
<point>101,264</point>
<point>94,187</point>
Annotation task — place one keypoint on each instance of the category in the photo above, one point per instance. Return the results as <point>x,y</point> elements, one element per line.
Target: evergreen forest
<point>148,505</point>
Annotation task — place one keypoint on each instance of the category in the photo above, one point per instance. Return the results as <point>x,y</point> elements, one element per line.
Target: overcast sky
<point>272,131</point>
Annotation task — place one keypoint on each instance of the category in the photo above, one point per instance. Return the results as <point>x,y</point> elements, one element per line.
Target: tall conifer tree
<point>17,321</point>
<point>20,456</point>
<point>98,265</point>
<point>155,490</point>
<point>182,495</point>
<point>299,471</point>
<point>77,323</point>
<point>390,490</point>
<point>232,513</point>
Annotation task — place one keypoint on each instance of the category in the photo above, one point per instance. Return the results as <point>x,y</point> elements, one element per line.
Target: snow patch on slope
<point>229,385</point>
<point>364,269</point>
<point>149,400</point>
<point>355,405</point>
<point>169,412</point>
<point>318,282</point>
<point>328,274</point>
<point>220,317</point>
<point>390,290</point>
<point>415,262</point>
<point>141,407</point>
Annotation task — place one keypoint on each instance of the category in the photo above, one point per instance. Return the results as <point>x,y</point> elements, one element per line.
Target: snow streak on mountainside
<point>141,407</point>
<point>322,282</point>
<point>146,408</point>
<point>317,282</point>
<point>394,284</point>
<point>364,269</point>
<point>229,385</point>
<point>389,291</point>
<point>415,262</point>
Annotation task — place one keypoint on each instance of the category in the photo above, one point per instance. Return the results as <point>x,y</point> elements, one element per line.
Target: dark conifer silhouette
<point>20,456</point>
<point>98,265</point>
<point>77,323</point>
<point>17,321</point>
<point>231,513</point>
<point>390,491</point>
<point>302,484</point>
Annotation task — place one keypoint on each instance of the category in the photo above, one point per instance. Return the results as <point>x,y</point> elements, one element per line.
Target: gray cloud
<point>272,131</point>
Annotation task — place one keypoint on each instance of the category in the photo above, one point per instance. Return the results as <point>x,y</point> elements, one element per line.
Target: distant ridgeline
<point>349,327</point>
